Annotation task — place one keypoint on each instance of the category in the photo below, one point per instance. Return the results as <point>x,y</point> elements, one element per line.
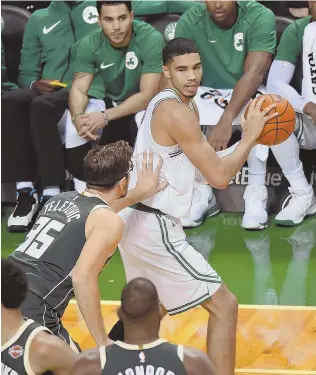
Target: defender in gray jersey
<point>142,352</point>
<point>74,237</point>
<point>26,347</point>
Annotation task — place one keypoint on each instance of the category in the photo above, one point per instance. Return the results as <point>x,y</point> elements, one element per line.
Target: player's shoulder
<point>172,108</point>
<point>144,32</point>
<point>43,343</point>
<point>173,113</point>
<point>88,362</point>
<point>40,14</point>
<point>252,11</point>
<point>196,361</point>
<point>300,24</point>
<point>194,14</point>
<point>45,350</point>
<point>104,216</point>
<point>92,40</point>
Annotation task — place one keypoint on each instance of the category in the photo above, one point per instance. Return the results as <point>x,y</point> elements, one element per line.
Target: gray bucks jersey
<point>15,352</point>
<point>53,246</point>
<point>156,358</point>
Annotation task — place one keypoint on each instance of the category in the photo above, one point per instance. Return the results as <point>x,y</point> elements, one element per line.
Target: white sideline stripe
<point>271,371</point>
<point>258,307</point>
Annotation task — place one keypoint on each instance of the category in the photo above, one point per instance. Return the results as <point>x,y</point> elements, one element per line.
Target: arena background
<point>163,15</point>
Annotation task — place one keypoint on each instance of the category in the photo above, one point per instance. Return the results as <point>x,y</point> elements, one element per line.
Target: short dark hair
<point>139,299</point>
<point>13,285</point>
<point>178,47</point>
<point>105,165</point>
<point>101,3</point>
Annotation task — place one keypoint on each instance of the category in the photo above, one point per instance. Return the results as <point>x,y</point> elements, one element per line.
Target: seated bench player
<point>126,53</point>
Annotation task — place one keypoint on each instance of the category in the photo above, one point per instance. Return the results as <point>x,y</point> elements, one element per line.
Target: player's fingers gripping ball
<point>277,129</point>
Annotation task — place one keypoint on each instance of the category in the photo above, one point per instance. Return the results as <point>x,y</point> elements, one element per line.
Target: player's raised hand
<point>256,118</point>
<point>148,183</point>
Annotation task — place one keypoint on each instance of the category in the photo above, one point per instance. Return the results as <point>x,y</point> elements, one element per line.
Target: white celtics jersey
<point>180,173</point>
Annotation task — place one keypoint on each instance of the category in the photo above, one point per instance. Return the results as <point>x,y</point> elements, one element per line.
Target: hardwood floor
<point>270,339</point>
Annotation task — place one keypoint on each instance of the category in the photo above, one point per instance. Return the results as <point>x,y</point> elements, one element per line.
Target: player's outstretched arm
<point>50,353</point>
<point>196,362</point>
<point>104,229</point>
<point>183,127</point>
<point>88,363</point>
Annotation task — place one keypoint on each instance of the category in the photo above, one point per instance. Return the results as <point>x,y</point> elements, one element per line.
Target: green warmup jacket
<point>49,41</point>
<point>144,8</point>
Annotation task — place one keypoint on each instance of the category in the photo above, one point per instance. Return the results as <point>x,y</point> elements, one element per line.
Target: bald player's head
<point>139,302</point>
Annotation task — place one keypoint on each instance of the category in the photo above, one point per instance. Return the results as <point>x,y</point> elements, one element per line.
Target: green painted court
<point>276,266</point>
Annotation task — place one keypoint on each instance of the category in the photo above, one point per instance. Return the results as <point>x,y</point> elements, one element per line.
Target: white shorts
<point>305,131</point>
<point>72,139</point>
<point>154,246</point>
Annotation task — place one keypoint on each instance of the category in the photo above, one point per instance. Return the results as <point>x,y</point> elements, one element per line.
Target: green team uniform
<point>223,52</point>
<point>145,8</point>
<point>121,68</point>
<point>50,41</point>
<point>291,44</point>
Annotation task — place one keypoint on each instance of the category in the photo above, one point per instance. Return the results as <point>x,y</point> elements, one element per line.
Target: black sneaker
<point>25,210</point>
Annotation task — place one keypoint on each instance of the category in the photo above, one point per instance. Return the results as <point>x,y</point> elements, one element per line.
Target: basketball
<point>278,129</point>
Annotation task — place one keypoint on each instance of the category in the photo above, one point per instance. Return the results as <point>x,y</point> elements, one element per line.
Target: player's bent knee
<point>223,302</point>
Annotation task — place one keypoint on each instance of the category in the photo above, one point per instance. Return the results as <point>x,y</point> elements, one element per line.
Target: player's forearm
<point>130,199</point>
<point>288,92</point>
<point>87,294</point>
<point>78,101</point>
<point>229,165</point>
<point>245,88</point>
<point>136,103</point>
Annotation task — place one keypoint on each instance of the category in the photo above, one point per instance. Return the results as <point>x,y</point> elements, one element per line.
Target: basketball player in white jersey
<point>154,245</point>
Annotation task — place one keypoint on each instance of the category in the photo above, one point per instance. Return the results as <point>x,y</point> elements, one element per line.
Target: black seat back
<point>14,20</point>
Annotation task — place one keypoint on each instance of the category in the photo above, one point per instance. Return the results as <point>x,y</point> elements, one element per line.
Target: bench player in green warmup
<point>126,53</point>
<point>298,42</point>
<point>236,41</point>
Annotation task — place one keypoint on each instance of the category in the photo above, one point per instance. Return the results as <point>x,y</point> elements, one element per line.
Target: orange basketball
<point>278,129</point>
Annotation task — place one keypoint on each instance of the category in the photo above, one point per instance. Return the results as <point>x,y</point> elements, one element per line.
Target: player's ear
<point>166,72</point>
<point>123,183</point>
<point>99,20</point>
<point>132,15</point>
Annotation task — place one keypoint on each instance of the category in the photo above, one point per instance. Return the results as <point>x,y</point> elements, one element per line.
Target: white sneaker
<point>255,216</point>
<point>25,211</point>
<point>204,205</point>
<point>300,205</point>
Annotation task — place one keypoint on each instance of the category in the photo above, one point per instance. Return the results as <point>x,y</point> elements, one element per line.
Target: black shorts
<point>35,308</point>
